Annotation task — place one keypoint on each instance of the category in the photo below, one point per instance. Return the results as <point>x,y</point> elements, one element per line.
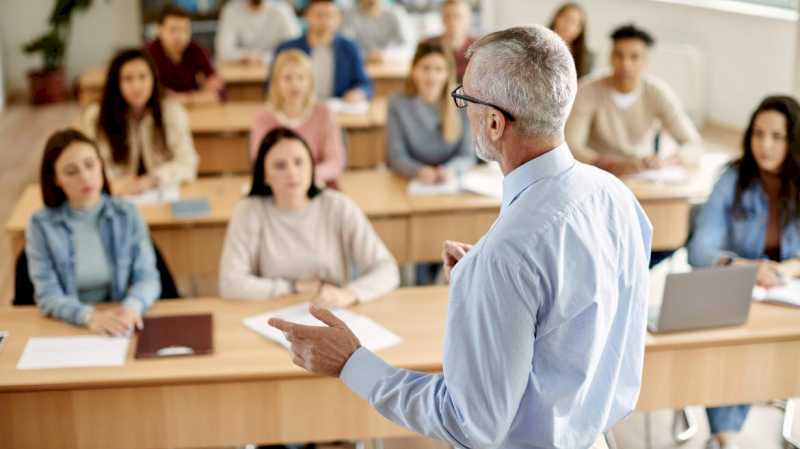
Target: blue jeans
<point>727,419</point>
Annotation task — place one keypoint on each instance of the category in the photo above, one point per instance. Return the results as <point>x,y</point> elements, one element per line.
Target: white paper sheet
<point>158,196</point>
<point>788,294</point>
<point>340,106</point>
<point>417,188</point>
<point>486,181</point>
<point>666,175</point>
<point>372,335</point>
<point>73,352</point>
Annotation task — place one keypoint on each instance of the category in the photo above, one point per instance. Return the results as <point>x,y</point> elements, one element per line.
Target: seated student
<point>289,236</point>
<point>144,141</point>
<point>378,30</point>
<point>291,104</point>
<point>335,60</point>
<point>456,15</point>
<point>183,66</point>
<point>428,137</point>
<point>85,247</point>
<point>569,22</point>
<point>250,30</point>
<point>753,218</point>
<point>615,119</point>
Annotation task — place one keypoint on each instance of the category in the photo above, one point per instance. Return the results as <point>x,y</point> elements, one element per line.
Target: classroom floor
<point>24,130</point>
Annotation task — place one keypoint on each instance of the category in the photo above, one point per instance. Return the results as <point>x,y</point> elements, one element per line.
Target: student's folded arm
<point>48,293</point>
<point>145,279</point>
<point>360,78</point>
<point>398,155</point>
<point>677,123</point>
<point>711,234</point>
<point>183,166</point>
<point>239,262</point>
<point>578,128</point>
<point>377,268</point>
<point>480,334</point>
<point>465,158</point>
<point>332,163</point>
<point>225,40</point>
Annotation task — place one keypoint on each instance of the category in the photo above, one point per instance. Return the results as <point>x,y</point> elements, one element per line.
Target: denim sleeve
<point>711,234</point>
<point>48,293</point>
<point>145,280</point>
<point>360,79</point>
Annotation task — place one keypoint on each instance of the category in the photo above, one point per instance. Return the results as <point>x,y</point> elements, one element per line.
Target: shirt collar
<point>547,165</point>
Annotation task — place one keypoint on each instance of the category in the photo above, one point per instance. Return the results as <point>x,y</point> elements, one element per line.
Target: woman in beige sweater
<point>290,237</point>
<point>145,141</point>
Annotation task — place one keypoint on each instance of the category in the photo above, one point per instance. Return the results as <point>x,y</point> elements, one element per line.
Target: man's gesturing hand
<point>319,349</point>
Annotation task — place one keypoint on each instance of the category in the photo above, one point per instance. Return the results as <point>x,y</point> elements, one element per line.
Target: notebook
<point>191,208</point>
<point>178,335</point>
<point>788,294</point>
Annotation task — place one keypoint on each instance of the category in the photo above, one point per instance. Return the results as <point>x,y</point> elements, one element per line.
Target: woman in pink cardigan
<point>291,104</point>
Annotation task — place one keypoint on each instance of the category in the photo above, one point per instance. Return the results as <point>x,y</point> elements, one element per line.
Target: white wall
<point>748,57</point>
<point>107,26</point>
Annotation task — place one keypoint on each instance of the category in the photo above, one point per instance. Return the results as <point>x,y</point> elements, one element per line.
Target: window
<point>786,4</point>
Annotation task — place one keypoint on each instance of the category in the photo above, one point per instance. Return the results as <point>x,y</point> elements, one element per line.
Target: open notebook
<point>788,294</point>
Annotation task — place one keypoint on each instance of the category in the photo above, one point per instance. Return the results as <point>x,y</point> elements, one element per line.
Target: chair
<point>24,293</point>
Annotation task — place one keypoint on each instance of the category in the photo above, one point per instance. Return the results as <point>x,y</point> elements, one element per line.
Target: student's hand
<point>109,322</point>
<point>331,297</point>
<point>307,286</point>
<point>320,349</point>
<point>355,96</point>
<point>652,162</point>
<point>376,56</point>
<point>130,317</point>
<point>443,174</point>
<point>250,60</point>
<point>427,175</point>
<point>452,252</point>
<point>769,274</point>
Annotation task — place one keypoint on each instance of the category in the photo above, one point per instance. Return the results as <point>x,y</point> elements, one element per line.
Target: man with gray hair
<point>545,335</point>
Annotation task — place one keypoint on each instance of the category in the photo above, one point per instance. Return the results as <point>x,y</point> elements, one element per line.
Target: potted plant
<point>48,84</point>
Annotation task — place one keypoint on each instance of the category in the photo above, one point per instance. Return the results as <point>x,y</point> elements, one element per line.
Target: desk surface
<point>418,315</point>
<point>237,117</point>
<point>378,192</point>
<point>255,73</point>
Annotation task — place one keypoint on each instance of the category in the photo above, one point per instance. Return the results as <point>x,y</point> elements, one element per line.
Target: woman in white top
<point>145,141</point>
<point>289,236</point>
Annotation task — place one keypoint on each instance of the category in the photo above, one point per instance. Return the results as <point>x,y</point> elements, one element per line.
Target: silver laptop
<point>704,298</point>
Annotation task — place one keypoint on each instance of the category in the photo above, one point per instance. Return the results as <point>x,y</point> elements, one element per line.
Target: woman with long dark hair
<point>289,236</point>
<point>753,217</point>
<point>85,247</point>
<point>144,139</point>
<point>569,22</point>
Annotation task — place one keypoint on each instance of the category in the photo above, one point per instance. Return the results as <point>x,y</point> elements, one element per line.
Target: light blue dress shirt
<point>545,335</point>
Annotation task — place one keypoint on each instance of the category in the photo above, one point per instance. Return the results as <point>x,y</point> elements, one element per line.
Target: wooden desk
<point>413,228</point>
<point>248,390</point>
<point>246,82</point>
<point>221,136</point>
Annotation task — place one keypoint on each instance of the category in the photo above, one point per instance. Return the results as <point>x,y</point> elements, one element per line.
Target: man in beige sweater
<point>616,118</point>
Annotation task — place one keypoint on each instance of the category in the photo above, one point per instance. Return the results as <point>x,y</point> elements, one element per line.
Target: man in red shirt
<point>184,67</point>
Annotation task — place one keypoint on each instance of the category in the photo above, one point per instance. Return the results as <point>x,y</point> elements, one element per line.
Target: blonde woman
<point>291,104</point>
<point>428,137</point>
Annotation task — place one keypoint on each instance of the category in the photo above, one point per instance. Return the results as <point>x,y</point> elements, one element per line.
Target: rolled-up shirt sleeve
<point>487,360</point>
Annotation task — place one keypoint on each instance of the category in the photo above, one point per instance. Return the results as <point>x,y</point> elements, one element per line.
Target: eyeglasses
<point>461,101</point>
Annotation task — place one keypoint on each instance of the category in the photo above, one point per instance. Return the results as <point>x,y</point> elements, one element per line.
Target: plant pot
<point>48,86</point>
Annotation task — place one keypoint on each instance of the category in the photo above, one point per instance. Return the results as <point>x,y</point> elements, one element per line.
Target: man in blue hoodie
<point>336,61</point>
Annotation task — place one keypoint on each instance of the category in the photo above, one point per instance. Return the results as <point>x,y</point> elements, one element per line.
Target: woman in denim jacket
<point>85,247</point>
<point>753,217</point>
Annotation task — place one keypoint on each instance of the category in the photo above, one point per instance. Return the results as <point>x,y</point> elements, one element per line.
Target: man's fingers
<point>296,331</point>
<point>281,325</point>
<point>327,317</point>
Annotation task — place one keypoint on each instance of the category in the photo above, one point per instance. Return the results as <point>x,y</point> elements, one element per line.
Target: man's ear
<point>497,125</point>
